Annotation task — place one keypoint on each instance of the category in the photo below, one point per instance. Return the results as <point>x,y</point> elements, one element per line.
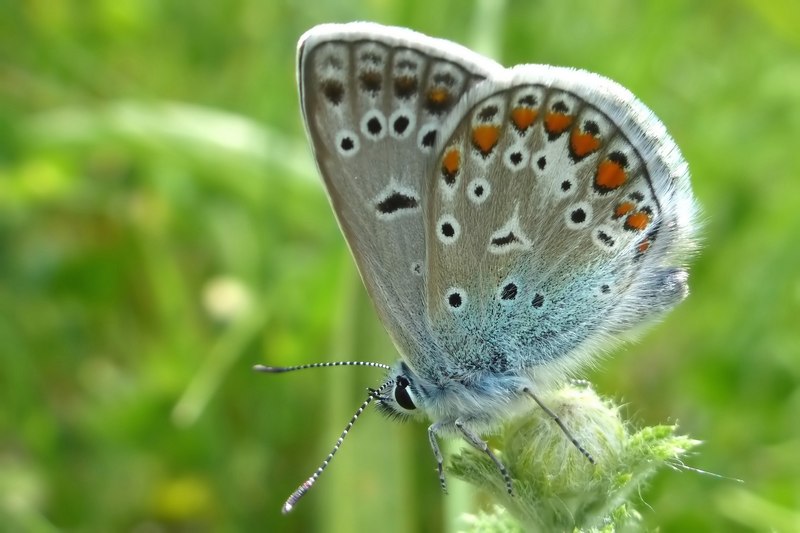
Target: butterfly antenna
<point>281,369</point>
<point>306,486</point>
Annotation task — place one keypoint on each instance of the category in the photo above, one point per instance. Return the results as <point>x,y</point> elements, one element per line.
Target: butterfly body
<point>508,223</point>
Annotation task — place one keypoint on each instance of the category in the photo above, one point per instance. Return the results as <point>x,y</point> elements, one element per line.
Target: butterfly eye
<point>401,394</point>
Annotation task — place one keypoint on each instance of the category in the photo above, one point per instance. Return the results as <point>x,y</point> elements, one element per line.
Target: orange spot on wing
<point>643,246</point>
<point>451,162</point>
<point>623,209</point>
<point>583,144</point>
<point>556,123</point>
<point>610,175</point>
<point>437,95</point>
<point>485,138</point>
<point>637,221</point>
<point>523,117</point>
<point>438,100</point>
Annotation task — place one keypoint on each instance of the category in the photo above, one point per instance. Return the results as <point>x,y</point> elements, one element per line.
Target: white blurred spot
<point>226,298</point>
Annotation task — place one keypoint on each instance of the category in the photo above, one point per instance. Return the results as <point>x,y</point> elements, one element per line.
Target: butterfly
<point>507,223</point>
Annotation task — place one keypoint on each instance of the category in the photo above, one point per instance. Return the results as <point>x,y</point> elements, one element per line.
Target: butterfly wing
<point>374,100</point>
<point>560,215</point>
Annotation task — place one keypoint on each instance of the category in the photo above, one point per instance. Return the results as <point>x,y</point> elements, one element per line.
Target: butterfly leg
<point>437,453</point>
<point>481,445</point>
<point>558,421</point>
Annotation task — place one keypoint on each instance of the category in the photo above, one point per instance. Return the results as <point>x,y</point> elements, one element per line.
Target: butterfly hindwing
<point>374,101</point>
<point>558,216</point>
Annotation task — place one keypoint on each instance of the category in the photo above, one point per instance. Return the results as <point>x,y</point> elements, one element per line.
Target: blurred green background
<point>162,229</point>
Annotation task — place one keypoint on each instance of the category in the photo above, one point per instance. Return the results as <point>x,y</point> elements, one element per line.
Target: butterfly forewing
<point>374,100</point>
<point>547,223</point>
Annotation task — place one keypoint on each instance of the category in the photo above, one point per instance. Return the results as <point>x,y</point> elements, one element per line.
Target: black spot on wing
<point>396,201</point>
<point>538,300</point>
<point>487,113</point>
<point>333,91</point>
<point>405,86</point>
<point>371,81</point>
<point>429,139</point>
<point>400,124</point>
<point>506,239</point>
<point>509,292</point>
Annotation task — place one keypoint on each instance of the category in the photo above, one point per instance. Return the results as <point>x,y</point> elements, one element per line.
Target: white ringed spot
<point>401,123</point>
<point>395,200</point>
<point>509,237</point>
<point>373,125</point>
<point>455,298</point>
<point>578,215</point>
<point>478,190</point>
<point>347,143</point>
<point>516,157</point>
<point>448,229</point>
<point>606,238</point>
<point>426,138</point>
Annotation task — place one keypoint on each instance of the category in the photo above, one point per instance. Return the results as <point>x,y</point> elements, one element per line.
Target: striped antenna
<point>281,369</point>
<point>306,486</point>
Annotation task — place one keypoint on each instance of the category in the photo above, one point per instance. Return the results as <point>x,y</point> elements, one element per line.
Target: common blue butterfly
<point>507,223</point>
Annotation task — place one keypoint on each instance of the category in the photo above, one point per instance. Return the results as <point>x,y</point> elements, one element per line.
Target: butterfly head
<point>404,396</point>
